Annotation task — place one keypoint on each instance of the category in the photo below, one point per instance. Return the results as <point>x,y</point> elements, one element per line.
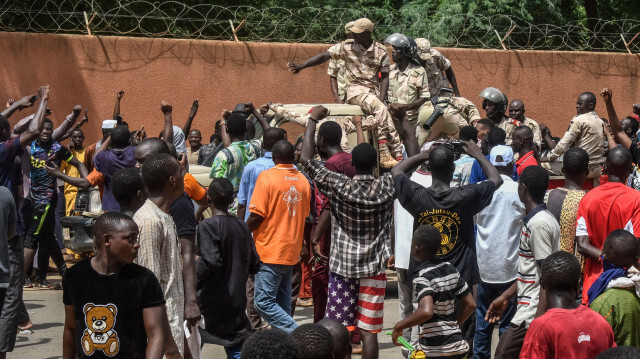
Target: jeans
<point>273,296</point>
<point>233,352</point>
<point>487,293</point>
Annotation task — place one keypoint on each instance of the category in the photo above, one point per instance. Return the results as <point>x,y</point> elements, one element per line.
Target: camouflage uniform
<point>408,86</point>
<point>361,76</point>
<point>460,113</point>
<point>586,132</point>
<point>508,125</point>
<point>533,125</point>
<point>368,123</point>
<point>435,66</point>
<point>336,69</point>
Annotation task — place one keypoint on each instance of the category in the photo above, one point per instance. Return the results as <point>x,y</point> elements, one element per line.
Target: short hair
<point>125,184</point>
<point>314,341</point>
<point>221,192</point>
<point>109,222</point>
<point>196,131</point>
<point>590,96</point>
<point>77,129</point>
<point>560,271</point>
<point>331,132</point>
<point>621,248</point>
<point>428,238</point>
<point>157,169</point>
<point>340,334</point>
<point>496,136</point>
<point>575,161</point>
<point>621,352</point>
<point>120,137</point>
<point>237,124</point>
<point>364,157</point>
<point>270,344</point>
<point>634,123</point>
<point>271,136</point>
<point>524,131</point>
<point>487,122</point>
<point>536,179</point>
<point>4,123</point>
<point>441,159</point>
<point>468,133</point>
<point>618,160</point>
<point>212,138</point>
<point>283,149</point>
<point>47,121</point>
<point>155,145</point>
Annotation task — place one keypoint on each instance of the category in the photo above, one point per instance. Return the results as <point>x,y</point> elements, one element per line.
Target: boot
<point>386,160</point>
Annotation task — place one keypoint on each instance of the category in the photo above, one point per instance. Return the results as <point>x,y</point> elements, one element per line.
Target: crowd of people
<point>469,211</point>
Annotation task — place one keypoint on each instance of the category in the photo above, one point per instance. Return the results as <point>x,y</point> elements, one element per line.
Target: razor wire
<point>175,19</point>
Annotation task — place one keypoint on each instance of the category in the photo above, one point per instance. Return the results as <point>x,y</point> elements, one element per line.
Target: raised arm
<point>192,114</point>
<point>167,110</point>
<point>489,170</point>
<point>452,79</point>
<point>308,144</point>
<point>252,109</point>
<point>226,140</point>
<point>314,61</point>
<point>19,105</point>
<point>116,109</point>
<point>33,131</point>
<point>614,121</point>
<point>67,126</point>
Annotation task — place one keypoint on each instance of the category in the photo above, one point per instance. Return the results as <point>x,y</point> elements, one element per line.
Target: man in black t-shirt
<point>113,307</point>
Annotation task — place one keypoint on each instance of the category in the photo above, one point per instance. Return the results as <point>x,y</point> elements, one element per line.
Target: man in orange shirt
<point>279,207</point>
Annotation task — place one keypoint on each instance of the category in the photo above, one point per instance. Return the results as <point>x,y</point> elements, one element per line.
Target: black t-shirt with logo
<point>108,309</point>
<point>451,211</point>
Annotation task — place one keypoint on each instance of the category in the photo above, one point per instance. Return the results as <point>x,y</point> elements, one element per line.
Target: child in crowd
<point>567,330</point>
<point>615,293</point>
<point>437,286</point>
<point>341,338</point>
<point>113,307</point>
<point>270,344</point>
<point>314,341</point>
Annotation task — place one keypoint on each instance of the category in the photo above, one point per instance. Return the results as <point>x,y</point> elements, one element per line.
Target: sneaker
<point>308,302</point>
<point>386,160</point>
<point>28,283</point>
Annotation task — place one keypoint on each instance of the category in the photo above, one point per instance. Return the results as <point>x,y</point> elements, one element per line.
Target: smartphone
<point>34,99</point>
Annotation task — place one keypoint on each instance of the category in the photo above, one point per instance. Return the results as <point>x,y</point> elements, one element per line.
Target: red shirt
<point>602,210</point>
<point>525,161</point>
<point>577,333</point>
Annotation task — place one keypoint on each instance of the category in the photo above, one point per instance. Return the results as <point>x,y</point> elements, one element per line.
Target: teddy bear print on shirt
<point>100,335</point>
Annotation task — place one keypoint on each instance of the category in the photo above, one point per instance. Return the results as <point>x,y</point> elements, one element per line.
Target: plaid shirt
<point>361,216</point>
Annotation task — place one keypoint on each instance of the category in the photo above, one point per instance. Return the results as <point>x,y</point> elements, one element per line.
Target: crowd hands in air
<point>488,222</point>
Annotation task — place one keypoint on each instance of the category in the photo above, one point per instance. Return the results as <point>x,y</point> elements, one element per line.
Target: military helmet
<point>406,44</point>
<point>494,95</point>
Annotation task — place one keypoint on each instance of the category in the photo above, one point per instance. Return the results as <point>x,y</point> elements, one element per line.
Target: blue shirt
<point>477,174</point>
<point>250,176</point>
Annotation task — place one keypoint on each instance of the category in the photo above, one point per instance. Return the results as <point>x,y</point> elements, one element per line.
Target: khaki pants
<point>371,105</point>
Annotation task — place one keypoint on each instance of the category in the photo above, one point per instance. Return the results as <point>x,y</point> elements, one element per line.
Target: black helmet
<point>406,44</point>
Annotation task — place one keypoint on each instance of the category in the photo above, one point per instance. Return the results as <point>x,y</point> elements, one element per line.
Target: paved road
<point>46,310</point>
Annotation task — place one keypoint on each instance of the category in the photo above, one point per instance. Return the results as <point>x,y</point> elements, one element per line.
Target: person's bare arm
<point>587,249</point>
<point>20,105</point>
<point>167,110</point>
<point>333,81</point>
<point>80,182</point>
<point>192,114</point>
<point>489,170</point>
<point>116,108</point>
<point>318,113</point>
<point>153,318</point>
<point>384,86</point>
<point>614,121</point>
<point>191,310</point>
<point>313,61</point>
<point>79,165</point>
<point>500,304</point>
<point>171,350</point>
<point>69,350</point>
<point>611,141</point>
<point>357,121</point>
<point>242,211</point>
<point>252,109</point>
<point>467,306</point>
<point>226,140</point>
<point>452,79</point>
<point>409,136</point>
<point>419,316</point>
<point>73,117</point>
<point>324,222</point>
<point>36,124</point>
<point>254,221</point>
<point>546,136</point>
<point>409,164</point>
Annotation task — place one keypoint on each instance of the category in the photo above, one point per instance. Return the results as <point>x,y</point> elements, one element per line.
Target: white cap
<point>503,151</point>
<point>108,124</point>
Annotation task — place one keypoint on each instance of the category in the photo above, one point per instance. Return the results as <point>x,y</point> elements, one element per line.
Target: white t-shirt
<point>498,236</point>
<point>403,224</point>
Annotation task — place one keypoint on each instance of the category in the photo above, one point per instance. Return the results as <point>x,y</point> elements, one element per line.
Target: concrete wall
<point>89,70</point>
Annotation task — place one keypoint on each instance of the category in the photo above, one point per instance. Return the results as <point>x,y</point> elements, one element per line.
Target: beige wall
<point>89,70</point>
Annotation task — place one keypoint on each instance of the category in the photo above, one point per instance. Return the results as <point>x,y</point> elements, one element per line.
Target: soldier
<point>435,64</point>
<point>516,112</point>
<point>585,131</point>
<point>458,113</point>
<point>494,104</point>
<point>408,86</point>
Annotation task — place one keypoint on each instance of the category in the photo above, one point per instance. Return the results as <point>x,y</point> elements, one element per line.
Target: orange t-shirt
<point>282,196</point>
<point>193,188</point>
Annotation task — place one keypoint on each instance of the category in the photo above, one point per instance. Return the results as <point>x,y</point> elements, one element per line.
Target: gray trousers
<point>13,311</point>
<point>407,307</point>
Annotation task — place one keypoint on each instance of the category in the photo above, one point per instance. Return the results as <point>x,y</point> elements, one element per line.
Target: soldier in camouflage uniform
<point>516,112</point>
<point>459,113</point>
<point>585,131</point>
<point>438,68</point>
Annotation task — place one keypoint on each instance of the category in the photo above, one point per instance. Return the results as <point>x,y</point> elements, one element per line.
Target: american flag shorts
<point>357,302</point>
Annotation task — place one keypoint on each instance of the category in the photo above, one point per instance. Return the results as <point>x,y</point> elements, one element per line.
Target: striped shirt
<point>441,335</point>
<point>540,237</point>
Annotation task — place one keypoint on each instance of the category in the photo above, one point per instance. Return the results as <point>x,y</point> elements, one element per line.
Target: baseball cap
<point>348,26</point>
<point>503,151</point>
<point>108,124</point>
<point>424,48</point>
<point>362,25</point>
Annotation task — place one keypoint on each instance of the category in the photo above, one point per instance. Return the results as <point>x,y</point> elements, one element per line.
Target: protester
<point>120,155</point>
<point>495,137</point>
<point>438,287</point>
<point>314,341</point>
<point>540,237</point>
<point>129,190</point>
<point>85,156</point>
<point>483,126</point>
<point>462,173</point>
<point>523,144</point>
<point>270,344</point>
<point>616,292</point>
<point>227,256</point>
<point>207,153</point>
<point>340,336</point>
<point>566,329</point>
